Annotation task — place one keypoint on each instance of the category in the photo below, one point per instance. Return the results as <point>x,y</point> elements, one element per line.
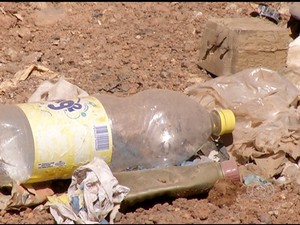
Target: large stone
<point>293,55</point>
<point>229,45</point>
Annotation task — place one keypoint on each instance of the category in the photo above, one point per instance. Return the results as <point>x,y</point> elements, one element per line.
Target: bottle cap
<point>230,170</point>
<point>227,121</point>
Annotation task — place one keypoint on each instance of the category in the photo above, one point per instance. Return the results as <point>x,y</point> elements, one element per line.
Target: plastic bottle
<point>159,127</point>
<point>175,181</point>
<point>47,140</point>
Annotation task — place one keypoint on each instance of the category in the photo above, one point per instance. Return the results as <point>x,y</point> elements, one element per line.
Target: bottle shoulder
<point>163,97</point>
<point>155,109</point>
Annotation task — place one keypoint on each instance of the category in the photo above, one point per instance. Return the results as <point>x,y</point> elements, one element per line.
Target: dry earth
<point>123,48</point>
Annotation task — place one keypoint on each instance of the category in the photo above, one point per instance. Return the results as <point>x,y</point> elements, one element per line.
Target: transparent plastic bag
<point>265,104</point>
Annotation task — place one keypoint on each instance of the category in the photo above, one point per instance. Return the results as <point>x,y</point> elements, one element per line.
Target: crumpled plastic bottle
<point>154,128</point>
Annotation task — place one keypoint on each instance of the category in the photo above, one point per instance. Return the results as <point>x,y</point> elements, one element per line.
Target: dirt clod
<point>224,192</point>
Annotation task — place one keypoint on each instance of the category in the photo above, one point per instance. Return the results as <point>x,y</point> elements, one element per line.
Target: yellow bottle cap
<point>227,121</point>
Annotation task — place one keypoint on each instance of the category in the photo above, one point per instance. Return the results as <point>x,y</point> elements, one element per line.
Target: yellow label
<point>67,134</point>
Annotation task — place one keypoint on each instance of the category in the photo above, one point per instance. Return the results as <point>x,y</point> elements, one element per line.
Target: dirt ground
<point>123,48</point>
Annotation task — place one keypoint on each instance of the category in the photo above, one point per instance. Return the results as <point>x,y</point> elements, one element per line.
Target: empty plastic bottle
<point>48,140</point>
<point>159,127</point>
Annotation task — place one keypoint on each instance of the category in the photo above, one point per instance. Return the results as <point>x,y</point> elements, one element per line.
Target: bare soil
<point>123,48</point>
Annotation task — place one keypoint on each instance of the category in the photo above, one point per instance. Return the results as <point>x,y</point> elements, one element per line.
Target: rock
<point>164,73</point>
<point>13,55</point>
<point>229,45</point>
<point>134,66</point>
<point>24,33</point>
<point>32,57</point>
<point>293,55</point>
<point>48,16</point>
<point>264,218</point>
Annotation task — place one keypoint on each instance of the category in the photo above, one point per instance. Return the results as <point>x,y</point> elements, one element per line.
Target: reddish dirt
<point>123,48</point>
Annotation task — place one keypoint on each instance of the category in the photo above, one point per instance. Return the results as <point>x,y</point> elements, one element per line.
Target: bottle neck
<point>216,123</point>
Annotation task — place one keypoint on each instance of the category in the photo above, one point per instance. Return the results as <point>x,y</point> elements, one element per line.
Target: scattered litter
<point>266,11</point>
<point>266,136</point>
<point>94,193</point>
<point>62,89</point>
<point>21,196</point>
<point>270,13</point>
<point>289,173</point>
<point>249,179</point>
<point>214,155</point>
<point>33,70</point>
<point>214,149</point>
<point>258,187</point>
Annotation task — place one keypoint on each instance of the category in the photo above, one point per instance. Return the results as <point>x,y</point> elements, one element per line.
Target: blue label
<point>70,105</point>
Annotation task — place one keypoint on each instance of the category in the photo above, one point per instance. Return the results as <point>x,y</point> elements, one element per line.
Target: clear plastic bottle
<point>16,145</point>
<point>159,127</point>
<point>48,140</point>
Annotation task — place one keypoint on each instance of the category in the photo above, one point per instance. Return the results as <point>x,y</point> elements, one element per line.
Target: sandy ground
<point>123,48</point>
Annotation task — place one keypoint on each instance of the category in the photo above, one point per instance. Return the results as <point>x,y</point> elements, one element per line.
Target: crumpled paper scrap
<point>94,193</point>
<point>265,104</point>
<point>24,195</point>
<point>32,70</point>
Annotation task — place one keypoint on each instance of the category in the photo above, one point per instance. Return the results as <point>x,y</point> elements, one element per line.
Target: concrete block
<point>229,45</point>
<point>293,55</point>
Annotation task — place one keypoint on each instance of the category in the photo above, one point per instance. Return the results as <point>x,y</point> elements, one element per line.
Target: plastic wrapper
<point>265,104</point>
